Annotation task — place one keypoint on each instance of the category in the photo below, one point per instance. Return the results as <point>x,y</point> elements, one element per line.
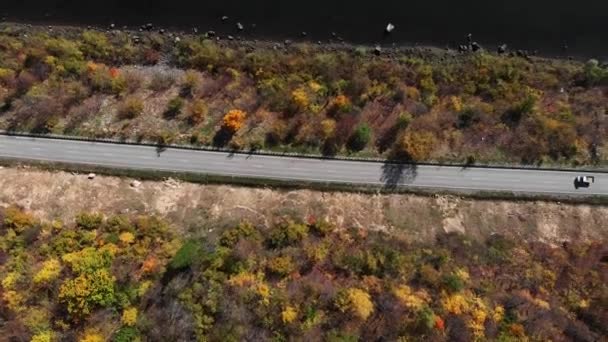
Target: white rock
<point>135,184</point>
<point>91,176</point>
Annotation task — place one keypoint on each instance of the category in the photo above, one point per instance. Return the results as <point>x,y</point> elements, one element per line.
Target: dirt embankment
<point>200,208</point>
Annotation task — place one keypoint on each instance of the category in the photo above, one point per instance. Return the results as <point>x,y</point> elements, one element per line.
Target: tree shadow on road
<point>395,174</point>
<point>160,148</point>
<point>399,170</point>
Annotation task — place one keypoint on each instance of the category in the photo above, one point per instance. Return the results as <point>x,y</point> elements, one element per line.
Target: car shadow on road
<point>396,174</point>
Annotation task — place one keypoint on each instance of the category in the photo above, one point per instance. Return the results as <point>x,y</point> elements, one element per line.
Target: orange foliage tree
<point>234,120</point>
<point>418,144</point>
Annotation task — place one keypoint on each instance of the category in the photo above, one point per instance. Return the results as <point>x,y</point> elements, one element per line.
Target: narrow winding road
<point>299,169</point>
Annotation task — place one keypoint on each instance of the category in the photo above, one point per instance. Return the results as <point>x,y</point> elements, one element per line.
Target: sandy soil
<point>198,209</point>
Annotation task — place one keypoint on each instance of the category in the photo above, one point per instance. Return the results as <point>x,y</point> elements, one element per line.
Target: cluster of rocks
<point>470,46</point>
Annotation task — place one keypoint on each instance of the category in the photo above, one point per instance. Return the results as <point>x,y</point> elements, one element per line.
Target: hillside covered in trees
<point>410,104</point>
<point>130,278</point>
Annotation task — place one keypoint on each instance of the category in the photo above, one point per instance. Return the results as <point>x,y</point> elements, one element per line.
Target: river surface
<point>544,25</point>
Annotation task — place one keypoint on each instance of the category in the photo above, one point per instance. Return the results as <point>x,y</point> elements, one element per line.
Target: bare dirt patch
<point>200,208</point>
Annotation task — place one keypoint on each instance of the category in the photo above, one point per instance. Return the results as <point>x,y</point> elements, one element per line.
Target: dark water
<point>541,25</point>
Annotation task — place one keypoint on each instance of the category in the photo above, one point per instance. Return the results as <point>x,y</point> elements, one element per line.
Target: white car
<point>583,181</point>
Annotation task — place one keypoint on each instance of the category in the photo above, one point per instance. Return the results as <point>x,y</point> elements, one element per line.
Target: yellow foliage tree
<point>91,336</point>
<point>411,300</point>
<point>498,314</point>
<point>456,103</point>
<point>17,219</point>
<point>418,144</point>
<point>300,98</point>
<point>49,272</point>
<point>456,304</point>
<point>289,314</point>
<point>13,300</point>
<point>44,336</point>
<point>356,301</point>
<point>10,280</point>
<point>127,238</point>
<point>242,279</point>
<point>129,317</point>
<point>328,128</point>
<point>234,120</point>
<point>477,323</point>
<point>87,291</point>
<point>264,292</point>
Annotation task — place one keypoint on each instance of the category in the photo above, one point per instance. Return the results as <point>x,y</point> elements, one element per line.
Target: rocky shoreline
<point>334,44</point>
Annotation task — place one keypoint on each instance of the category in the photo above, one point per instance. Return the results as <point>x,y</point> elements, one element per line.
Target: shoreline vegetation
<point>408,104</point>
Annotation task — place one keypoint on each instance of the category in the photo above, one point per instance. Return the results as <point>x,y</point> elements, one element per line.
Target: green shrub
<point>453,283</point>
<point>232,236</point>
<point>404,120</point>
<point>95,45</point>
<point>89,221</point>
<point>119,223</point>
<point>337,336</point>
<point>425,319</point>
<point>174,107</point>
<point>185,256</point>
<point>322,227</point>
<point>360,137</point>
<point>287,234</point>
<point>594,74</point>
<point>126,334</point>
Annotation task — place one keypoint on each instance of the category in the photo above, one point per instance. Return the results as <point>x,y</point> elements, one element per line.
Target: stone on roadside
<point>91,176</point>
<point>389,28</point>
<point>502,49</point>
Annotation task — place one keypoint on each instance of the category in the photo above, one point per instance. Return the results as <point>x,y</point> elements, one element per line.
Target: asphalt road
<point>300,169</point>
